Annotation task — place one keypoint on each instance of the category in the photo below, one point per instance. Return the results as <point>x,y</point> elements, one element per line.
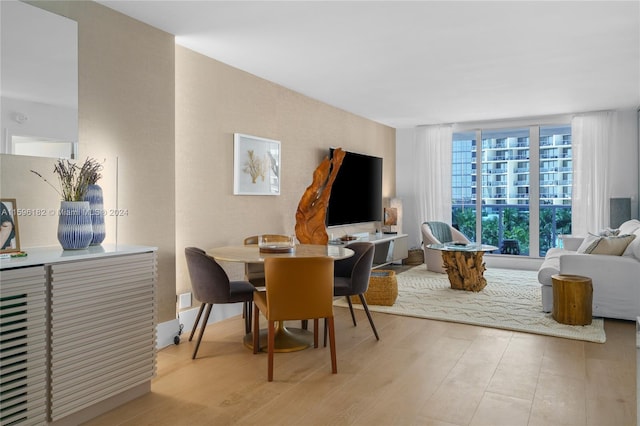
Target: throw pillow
<point>589,243</point>
<point>608,232</point>
<point>629,227</point>
<point>633,249</point>
<point>613,246</point>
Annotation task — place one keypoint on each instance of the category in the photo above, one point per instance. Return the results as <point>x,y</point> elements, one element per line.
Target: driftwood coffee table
<point>464,264</point>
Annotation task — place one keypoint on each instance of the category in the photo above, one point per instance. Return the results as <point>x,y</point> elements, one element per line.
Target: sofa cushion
<point>633,249</point>
<point>550,266</point>
<point>629,227</point>
<point>614,245</point>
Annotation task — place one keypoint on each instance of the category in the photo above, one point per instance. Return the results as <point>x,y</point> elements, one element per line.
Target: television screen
<point>356,195</point>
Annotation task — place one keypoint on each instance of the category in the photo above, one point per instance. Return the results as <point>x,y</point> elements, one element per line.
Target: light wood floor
<point>421,372</point>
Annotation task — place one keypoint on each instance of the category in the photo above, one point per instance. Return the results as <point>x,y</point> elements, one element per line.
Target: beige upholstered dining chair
<point>297,288</point>
<point>254,272</point>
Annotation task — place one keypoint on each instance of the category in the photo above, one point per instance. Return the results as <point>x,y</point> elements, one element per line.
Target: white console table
<point>79,328</point>
<point>389,248</point>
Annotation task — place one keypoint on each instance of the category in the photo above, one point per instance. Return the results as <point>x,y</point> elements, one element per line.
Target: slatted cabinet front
<point>23,356</point>
<point>103,316</point>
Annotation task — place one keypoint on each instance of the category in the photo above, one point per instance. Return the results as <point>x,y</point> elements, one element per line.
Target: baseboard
<point>167,331</point>
<point>102,407</point>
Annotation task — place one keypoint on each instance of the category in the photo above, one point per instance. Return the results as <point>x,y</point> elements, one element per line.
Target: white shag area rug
<point>511,301</point>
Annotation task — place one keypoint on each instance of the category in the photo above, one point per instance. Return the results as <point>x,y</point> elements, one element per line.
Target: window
<point>507,207</point>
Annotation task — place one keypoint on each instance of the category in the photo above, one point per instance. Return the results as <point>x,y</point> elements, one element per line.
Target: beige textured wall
<point>126,111</point>
<point>214,101</point>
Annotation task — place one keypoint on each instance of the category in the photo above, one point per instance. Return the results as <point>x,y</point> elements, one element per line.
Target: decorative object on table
<point>275,244</point>
<point>96,204</point>
<point>74,225</point>
<point>390,220</point>
<point>312,208</point>
<point>9,237</point>
<point>256,165</point>
<point>75,230</point>
<point>254,272</point>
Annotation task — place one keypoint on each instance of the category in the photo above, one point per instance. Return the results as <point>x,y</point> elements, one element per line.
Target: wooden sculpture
<point>312,209</point>
<point>465,270</point>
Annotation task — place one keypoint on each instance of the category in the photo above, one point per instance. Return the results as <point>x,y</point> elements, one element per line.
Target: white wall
<point>624,174</point>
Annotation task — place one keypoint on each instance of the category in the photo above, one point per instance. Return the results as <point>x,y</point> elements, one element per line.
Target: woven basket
<point>416,257</point>
<point>383,288</point>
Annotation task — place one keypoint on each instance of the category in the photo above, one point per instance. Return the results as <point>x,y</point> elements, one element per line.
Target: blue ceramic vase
<point>96,204</point>
<point>75,231</point>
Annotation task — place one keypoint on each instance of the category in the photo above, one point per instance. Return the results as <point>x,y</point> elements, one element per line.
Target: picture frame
<point>9,235</point>
<point>256,165</point>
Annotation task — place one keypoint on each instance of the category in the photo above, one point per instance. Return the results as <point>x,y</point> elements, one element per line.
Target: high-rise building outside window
<point>525,194</point>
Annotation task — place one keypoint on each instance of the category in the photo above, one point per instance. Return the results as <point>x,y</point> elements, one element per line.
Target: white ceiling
<point>422,62</point>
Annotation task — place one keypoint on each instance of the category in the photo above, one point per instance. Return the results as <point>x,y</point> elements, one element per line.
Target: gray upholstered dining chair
<point>211,285</point>
<point>351,278</point>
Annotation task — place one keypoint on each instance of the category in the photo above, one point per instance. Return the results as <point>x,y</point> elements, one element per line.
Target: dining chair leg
<point>315,332</point>
<point>256,329</point>
<point>332,344</point>
<point>366,309</point>
<point>204,325</point>
<point>325,332</point>
<point>247,317</point>
<point>195,324</point>
<point>353,316</point>
<point>272,343</point>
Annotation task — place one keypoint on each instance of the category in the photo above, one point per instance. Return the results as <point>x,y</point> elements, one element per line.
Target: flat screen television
<point>356,195</point>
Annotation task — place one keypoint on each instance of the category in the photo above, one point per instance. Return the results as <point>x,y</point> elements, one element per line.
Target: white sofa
<point>616,279</point>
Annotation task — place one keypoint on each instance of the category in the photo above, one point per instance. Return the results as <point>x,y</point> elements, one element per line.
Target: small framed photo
<point>9,238</point>
<point>256,165</point>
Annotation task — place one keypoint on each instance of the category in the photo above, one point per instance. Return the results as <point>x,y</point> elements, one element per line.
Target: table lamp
<point>390,220</point>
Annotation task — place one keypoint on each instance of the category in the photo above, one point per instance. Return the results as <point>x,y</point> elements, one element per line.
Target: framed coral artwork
<point>256,165</point>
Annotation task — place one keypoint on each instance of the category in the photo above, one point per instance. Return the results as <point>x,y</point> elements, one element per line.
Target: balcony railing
<point>499,225</point>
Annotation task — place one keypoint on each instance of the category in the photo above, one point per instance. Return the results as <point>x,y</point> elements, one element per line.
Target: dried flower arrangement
<point>74,180</point>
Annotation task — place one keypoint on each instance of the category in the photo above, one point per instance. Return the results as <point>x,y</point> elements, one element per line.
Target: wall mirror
<point>38,82</point>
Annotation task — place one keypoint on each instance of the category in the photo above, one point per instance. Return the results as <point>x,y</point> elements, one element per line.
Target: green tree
<point>515,222</point>
<point>465,219</point>
<point>490,229</point>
